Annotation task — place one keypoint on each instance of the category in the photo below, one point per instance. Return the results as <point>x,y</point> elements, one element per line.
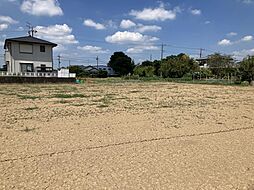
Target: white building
<point>28,54</point>
<point>110,71</point>
<point>95,69</point>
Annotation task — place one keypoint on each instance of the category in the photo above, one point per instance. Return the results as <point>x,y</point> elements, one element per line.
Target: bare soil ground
<point>126,135</point>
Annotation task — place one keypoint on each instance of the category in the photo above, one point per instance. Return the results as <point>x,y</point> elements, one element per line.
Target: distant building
<point>203,62</point>
<point>95,69</point>
<point>28,54</point>
<point>90,69</point>
<point>110,71</point>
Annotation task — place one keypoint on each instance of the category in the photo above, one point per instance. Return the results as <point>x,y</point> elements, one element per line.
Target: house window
<point>26,48</point>
<point>26,67</point>
<point>42,48</point>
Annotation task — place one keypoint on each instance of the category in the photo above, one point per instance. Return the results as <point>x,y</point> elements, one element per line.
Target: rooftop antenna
<point>31,30</point>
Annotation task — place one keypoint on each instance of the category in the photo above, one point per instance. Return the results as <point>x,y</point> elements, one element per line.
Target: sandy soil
<point>126,136</point>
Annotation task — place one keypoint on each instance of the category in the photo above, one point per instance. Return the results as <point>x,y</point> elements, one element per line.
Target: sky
<point>85,29</point>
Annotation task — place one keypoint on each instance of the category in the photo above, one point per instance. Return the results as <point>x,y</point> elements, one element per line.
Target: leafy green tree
<point>79,71</point>
<point>121,63</point>
<point>247,69</point>
<point>102,74</point>
<point>144,71</point>
<point>147,63</point>
<point>221,65</point>
<point>202,73</point>
<point>157,66</point>
<point>176,66</point>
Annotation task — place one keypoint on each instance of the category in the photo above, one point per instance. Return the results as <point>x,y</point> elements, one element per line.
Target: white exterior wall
<point>15,57</point>
<point>65,73</point>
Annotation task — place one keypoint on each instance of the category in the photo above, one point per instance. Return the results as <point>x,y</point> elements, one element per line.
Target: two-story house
<point>28,54</point>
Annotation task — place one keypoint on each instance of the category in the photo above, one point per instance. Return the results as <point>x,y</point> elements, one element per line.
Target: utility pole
<point>162,50</point>
<point>97,60</point>
<point>201,52</point>
<point>69,67</point>
<point>59,61</point>
<point>200,56</point>
<point>151,57</point>
<point>31,30</point>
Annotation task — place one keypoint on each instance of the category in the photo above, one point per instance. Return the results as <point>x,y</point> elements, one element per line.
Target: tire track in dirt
<point>127,143</point>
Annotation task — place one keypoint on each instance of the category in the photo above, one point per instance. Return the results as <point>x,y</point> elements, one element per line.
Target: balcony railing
<point>29,74</point>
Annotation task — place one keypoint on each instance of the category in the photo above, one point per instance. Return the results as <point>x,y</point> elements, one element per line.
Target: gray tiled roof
<point>29,39</point>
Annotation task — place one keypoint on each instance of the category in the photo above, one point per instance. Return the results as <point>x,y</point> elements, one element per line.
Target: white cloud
<point>157,14</point>
<point>8,20</point>
<point>196,11</point>
<point>239,55</point>
<point>141,49</point>
<point>125,24</point>
<point>60,48</point>
<point>60,34</point>
<point>41,7</point>
<point>247,1</point>
<point>13,1</point>
<point>247,38</point>
<point>128,24</point>
<point>92,49</point>
<point>2,43</point>
<point>91,23</point>
<point>207,22</point>
<point>111,24</point>
<point>147,28</point>
<point>3,27</point>
<point>225,42</point>
<point>20,28</point>
<point>130,37</point>
<point>230,34</point>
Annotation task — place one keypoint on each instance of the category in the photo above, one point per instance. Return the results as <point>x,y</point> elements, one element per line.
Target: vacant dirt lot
<point>128,135</point>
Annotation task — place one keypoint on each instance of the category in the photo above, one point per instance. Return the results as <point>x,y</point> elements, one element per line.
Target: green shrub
<point>144,71</point>
<point>102,74</point>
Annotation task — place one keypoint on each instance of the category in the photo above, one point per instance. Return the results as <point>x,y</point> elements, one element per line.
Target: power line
<point>182,47</point>
<point>78,59</point>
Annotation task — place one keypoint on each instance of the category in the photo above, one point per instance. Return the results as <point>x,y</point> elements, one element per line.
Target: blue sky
<point>85,29</point>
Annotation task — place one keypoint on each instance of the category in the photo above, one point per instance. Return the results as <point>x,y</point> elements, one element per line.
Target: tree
<point>144,71</point>
<point>102,74</point>
<point>78,70</point>
<point>121,63</point>
<point>176,66</point>
<point>147,63</point>
<point>247,69</point>
<point>157,66</point>
<point>221,65</point>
